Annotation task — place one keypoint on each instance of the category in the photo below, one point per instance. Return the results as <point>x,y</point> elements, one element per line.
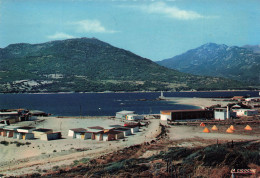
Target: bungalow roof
<point>96,127</point>
<point>79,130</point>
<point>42,130</point>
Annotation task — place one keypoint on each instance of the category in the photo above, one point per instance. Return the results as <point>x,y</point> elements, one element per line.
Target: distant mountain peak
<point>213,45</point>
<point>212,59</point>
<point>89,64</point>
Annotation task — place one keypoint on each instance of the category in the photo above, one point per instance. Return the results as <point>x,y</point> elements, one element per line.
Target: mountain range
<point>88,64</point>
<point>232,62</point>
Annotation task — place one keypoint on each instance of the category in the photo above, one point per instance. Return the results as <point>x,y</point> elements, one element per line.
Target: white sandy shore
<point>40,154</point>
<point>200,102</point>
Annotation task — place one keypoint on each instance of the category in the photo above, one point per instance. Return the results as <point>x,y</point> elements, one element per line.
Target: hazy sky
<point>151,29</point>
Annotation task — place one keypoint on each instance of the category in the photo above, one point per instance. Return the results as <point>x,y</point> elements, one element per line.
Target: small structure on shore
<point>248,127</point>
<point>77,132</point>
<point>232,127</point>
<point>223,113</point>
<point>123,114</point>
<point>173,115</point>
<point>214,128</point>
<point>41,131</point>
<point>8,131</point>
<point>229,130</point>
<point>134,117</point>
<point>125,130</point>
<point>51,136</point>
<point>23,135</point>
<point>112,135</point>
<point>206,130</point>
<point>134,128</point>
<point>202,124</point>
<point>26,129</point>
<point>245,112</point>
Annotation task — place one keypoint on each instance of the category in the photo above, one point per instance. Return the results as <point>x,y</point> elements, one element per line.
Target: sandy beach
<point>46,154</point>
<point>200,102</point>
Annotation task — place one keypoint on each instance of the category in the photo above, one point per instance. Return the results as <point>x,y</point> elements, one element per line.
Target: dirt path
<point>187,132</point>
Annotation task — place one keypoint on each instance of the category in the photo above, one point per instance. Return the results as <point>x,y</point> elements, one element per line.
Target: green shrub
<point>115,166</point>
<point>4,143</point>
<point>252,157</point>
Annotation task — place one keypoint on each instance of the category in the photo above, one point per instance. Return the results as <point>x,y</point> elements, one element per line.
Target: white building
<point>127,131</point>
<point>26,129</point>
<point>222,114</point>
<point>165,115</point>
<point>134,128</point>
<point>122,114</point>
<point>23,135</point>
<point>77,131</point>
<point>245,112</point>
<point>134,117</point>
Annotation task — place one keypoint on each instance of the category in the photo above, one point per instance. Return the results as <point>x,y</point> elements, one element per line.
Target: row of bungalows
<point>114,132</point>
<point>29,133</point>
<point>10,116</point>
<point>17,132</point>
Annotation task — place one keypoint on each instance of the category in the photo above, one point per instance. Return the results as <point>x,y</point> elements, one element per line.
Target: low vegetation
<point>211,161</point>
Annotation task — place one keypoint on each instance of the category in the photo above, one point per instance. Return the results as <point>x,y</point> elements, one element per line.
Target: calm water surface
<point>104,104</point>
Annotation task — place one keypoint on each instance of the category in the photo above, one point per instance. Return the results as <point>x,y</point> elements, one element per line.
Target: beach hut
<point>51,136</point>
<point>112,135</point>
<point>123,114</point>
<point>86,135</point>
<point>202,124</point>
<point>26,129</point>
<point>41,131</point>
<point>214,128</point>
<point>76,133</point>
<point>206,130</point>
<point>232,127</point>
<point>248,127</point>
<point>96,134</point>
<point>134,117</point>
<point>1,132</point>
<point>8,131</point>
<point>125,130</point>
<point>134,128</point>
<point>23,135</point>
<point>229,130</point>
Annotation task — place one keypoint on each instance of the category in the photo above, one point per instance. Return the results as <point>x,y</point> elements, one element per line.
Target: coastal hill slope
<point>238,63</point>
<point>254,48</point>
<point>88,64</point>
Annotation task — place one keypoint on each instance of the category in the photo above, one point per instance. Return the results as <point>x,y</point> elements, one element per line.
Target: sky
<point>152,29</point>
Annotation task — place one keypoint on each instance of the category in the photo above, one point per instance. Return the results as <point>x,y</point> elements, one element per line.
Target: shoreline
<point>199,102</point>
<point>72,92</point>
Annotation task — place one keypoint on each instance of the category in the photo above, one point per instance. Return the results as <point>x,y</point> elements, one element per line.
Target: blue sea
<point>105,104</point>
